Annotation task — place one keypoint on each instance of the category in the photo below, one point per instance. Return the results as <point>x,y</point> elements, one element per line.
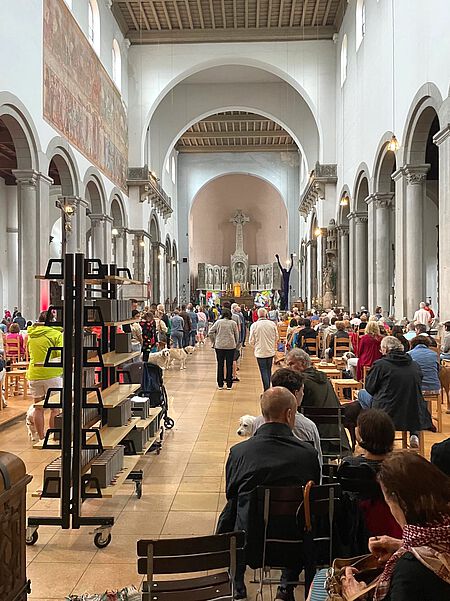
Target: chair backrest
<point>341,346</point>
<point>327,416</point>
<point>278,509</point>
<point>312,345</point>
<point>196,554</point>
<point>12,349</point>
<point>359,479</point>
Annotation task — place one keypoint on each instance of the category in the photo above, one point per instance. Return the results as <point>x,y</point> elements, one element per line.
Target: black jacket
<point>272,457</point>
<point>412,581</point>
<point>395,384</point>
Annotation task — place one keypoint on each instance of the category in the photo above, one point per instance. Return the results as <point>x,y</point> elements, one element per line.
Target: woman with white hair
<point>394,384</point>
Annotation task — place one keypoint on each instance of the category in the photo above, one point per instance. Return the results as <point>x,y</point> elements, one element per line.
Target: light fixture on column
<point>160,256</point>
<point>393,144</point>
<point>142,243</point>
<point>344,200</point>
<point>317,232</point>
<point>114,232</point>
<point>173,262</point>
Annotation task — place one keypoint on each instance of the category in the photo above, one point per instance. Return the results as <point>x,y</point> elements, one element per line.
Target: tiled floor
<point>183,491</point>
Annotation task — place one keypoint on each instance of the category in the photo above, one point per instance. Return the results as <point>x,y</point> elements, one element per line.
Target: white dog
<point>181,355</point>
<point>161,358</point>
<point>29,421</point>
<point>246,425</point>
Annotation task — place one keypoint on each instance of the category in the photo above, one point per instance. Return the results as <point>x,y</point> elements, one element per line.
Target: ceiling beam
<point>200,14</point>
<point>231,118</point>
<point>189,14</point>
<point>291,16</point>
<point>223,135</point>
<point>269,14</point>
<point>224,16</point>
<point>340,14</point>
<point>177,12</point>
<point>280,13</point>
<point>241,148</point>
<point>327,12</point>
<point>305,6</point>
<point>142,12</point>
<point>258,8</point>
<point>133,17</point>
<point>166,14</point>
<point>316,9</point>
<point>155,14</point>
<point>263,34</point>
<point>213,16</point>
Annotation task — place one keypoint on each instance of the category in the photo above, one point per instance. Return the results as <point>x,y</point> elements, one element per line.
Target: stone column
<point>415,198</point>
<point>156,271</point>
<point>382,204</point>
<point>313,270</point>
<point>372,236</point>
<point>400,244</point>
<point>28,264</point>
<point>360,260</point>
<point>344,266</point>
<point>442,139</point>
<point>101,226</point>
<point>73,212</point>
<point>351,262</point>
<point>119,241</point>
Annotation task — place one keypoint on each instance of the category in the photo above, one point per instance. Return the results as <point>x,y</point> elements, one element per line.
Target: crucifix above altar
<point>239,260</point>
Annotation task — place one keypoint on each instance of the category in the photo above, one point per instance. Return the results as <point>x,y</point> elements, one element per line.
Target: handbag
<point>369,571</point>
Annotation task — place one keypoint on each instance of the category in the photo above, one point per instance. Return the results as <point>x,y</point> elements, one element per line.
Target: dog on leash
<point>246,425</point>
<point>31,427</point>
<point>181,355</point>
<point>161,358</point>
<point>346,356</point>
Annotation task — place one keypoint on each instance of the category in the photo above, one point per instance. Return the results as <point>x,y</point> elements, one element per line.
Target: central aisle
<point>183,491</point>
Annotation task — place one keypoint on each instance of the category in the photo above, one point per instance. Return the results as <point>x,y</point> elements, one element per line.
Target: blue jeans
<point>265,368</point>
<point>365,399</point>
<point>192,335</point>
<point>177,339</point>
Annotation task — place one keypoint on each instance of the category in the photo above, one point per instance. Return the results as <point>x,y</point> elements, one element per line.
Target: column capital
<point>100,217</point>
<point>26,177</point>
<point>416,174</point>
<point>442,135</point>
<point>75,201</point>
<point>382,200</point>
<point>359,217</point>
<point>343,230</point>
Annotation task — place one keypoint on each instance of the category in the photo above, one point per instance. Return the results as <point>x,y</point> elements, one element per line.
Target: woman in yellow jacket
<point>40,339</point>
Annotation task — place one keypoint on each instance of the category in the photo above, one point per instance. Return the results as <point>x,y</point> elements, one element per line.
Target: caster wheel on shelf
<point>169,423</point>
<point>138,490</point>
<point>100,541</point>
<point>32,538</point>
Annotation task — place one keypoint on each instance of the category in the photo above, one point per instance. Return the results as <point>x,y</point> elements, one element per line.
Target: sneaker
<point>284,594</point>
<point>414,441</point>
<point>220,388</point>
<point>228,387</point>
<point>240,593</point>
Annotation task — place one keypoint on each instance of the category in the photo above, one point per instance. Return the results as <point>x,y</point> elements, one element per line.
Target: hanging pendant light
<point>344,201</point>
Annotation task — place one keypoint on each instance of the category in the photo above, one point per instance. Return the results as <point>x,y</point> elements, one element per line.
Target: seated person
<point>305,331</point>
<point>421,330</point>
<point>272,457</point>
<point>304,429</point>
<point>14,334</point>
<point>340,333</point>
<point>410,331</point>
<point>318,392</point>
<point>397,332</point>
<point>416,567</point>
<point>440,455</point>
<point>394,384</point>
<point>445,346</point>
<point>375,434</point>
<point>428,362</point>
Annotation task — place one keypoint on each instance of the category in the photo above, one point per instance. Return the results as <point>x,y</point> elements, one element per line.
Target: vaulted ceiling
<point>236,131</point>
<point>184,21</point>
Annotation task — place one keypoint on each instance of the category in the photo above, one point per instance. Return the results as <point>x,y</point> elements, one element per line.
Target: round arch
<point>343,210</point>
<point>384,165</point>
<point>225,61</point>
<point>95,192</point>
<point>361,189</point>
<point>66,163</point>
<point>23,132</point>
<point>116,197</point>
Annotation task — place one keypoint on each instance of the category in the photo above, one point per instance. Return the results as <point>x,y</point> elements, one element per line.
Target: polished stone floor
<point>183,486</point>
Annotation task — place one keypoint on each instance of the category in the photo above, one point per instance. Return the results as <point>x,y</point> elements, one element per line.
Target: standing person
<point>422,316</point>
<point>187,327</point>
<point>177,329</point>
<point>224,336</point>
<point>161,312</point>
<point>264,336</point>
<point>194,323</point>
<point>202,325</point>
<point>273,314</point>
<point>369,349</point>
<point>149,335</point>
<point>136,330</point>
<point>40,379</point>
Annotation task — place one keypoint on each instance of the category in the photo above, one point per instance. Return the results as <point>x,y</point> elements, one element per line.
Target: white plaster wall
<point>308,66</point>
<point>364,107</point>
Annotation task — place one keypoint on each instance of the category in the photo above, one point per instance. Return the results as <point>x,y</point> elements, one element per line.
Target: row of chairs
<point>286,518</point>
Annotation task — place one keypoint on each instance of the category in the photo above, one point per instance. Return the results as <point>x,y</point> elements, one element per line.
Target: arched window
<point>116,64</point>
<point>94,25</point>
<point>360,22</point>
<point>344,60</point>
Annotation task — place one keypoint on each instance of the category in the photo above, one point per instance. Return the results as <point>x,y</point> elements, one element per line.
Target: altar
<point>239,280</point>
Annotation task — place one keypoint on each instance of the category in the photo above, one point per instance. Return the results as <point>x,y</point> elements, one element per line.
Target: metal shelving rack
<point>78,441</point>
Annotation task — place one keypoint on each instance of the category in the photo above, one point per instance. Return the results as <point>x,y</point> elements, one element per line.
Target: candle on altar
<point>237,290</point>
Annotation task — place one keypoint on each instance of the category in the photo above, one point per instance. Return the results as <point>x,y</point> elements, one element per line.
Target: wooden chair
<point>341,346</point>
<point>282,330</point>
<point>328,416</point>
<point>312,345</point>
<point>188,555</point>
<point>366,370</point>
<point>405,443</point>
<point>438,397</point>
<point>15,382</point>
<point>12,349</point>
<point>340,385</point>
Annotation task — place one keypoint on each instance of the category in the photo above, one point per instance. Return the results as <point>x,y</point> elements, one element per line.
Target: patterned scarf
<point>429,544</point>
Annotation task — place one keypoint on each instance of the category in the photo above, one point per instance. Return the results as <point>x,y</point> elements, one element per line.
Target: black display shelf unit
<point>83,433</point>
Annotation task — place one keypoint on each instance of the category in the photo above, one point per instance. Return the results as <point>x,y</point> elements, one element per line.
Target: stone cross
<point>239,220</point>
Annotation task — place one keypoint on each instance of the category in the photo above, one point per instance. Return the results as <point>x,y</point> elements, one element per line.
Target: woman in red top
<point>369,348</point>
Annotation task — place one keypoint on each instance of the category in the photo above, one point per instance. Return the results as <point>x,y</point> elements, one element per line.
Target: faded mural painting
<point>80,99</point>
